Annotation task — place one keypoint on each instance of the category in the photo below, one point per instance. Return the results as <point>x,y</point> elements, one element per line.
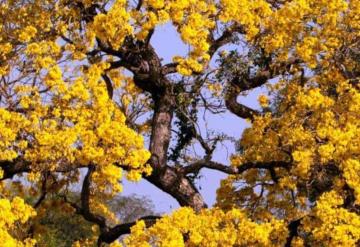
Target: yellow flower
<point>263,101</point>
<point>27,33</point>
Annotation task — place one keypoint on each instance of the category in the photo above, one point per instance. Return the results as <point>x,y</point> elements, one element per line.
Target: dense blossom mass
<point>82,90</point>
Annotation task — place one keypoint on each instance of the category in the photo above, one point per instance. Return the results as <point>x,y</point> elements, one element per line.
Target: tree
<point>78,78</point>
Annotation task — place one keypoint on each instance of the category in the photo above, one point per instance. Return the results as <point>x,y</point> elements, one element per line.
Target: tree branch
<point>225,38</point>
<point>108,50</point>
<point>115,232</point>
<point>169,68</point>
<point>197,166</point>
<point>148,37</point>
<point>18,166</point>
<point>139,4</point>
<point>85,201</point>
<point>293,231</point>
<point>109,86</point>
<point>122,63</point>
<point>243,83</point>
<point>12,168</point>
<point>236,108</point>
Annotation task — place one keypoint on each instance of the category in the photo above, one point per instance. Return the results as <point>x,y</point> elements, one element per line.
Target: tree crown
<point>82,88</point>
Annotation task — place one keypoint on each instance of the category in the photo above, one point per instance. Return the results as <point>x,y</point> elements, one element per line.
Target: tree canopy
<point>85,98</point>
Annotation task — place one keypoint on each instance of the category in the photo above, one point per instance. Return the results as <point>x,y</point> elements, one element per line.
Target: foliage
<point>82,88</point>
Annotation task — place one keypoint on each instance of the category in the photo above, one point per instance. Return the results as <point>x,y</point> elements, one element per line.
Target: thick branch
<point>225,38</point>
<point>243,83</point>
<point>240,84</point>
<point>236,108</point>
<point>293,231</point>
<point>122,63</point>
<point>164,177</point>
<point>169,68</point>
<point>247,83</point>
<point>18,166</point>
<point>115,232</point>
<point>85,201</point>
<point>173,182</point>
<point>197,166</point>
<point>12,168</point>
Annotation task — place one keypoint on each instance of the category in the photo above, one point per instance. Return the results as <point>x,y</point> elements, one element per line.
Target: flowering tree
<point>81,86</point>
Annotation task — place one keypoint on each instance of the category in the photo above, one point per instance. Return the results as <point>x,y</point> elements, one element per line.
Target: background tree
<point>82,87</point>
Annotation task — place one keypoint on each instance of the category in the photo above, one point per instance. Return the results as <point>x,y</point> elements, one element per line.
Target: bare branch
<point>197,166</point>
<point>148,37</point>
<point>139,4</point>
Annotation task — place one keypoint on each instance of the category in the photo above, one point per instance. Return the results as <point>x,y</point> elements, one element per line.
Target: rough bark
<point>161,129</point>
<point>180,187</point>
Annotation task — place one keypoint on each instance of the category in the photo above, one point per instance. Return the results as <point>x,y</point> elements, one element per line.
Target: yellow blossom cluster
<point>310,143</point>
<point>11,213</point>
<point>315,37</point>
<point>80,124</point>
<point>208,228</point>
<point>17,27</point>
<point>64,118</point>
<point>27,34</point>
<point>10,124</point>
<point>263,100</point>
<point>44,54</point>
<point>312,132</point>
<point>332,225</point>
<point>113,26</point>
<point>276,29</point>
<point>249,14</point>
